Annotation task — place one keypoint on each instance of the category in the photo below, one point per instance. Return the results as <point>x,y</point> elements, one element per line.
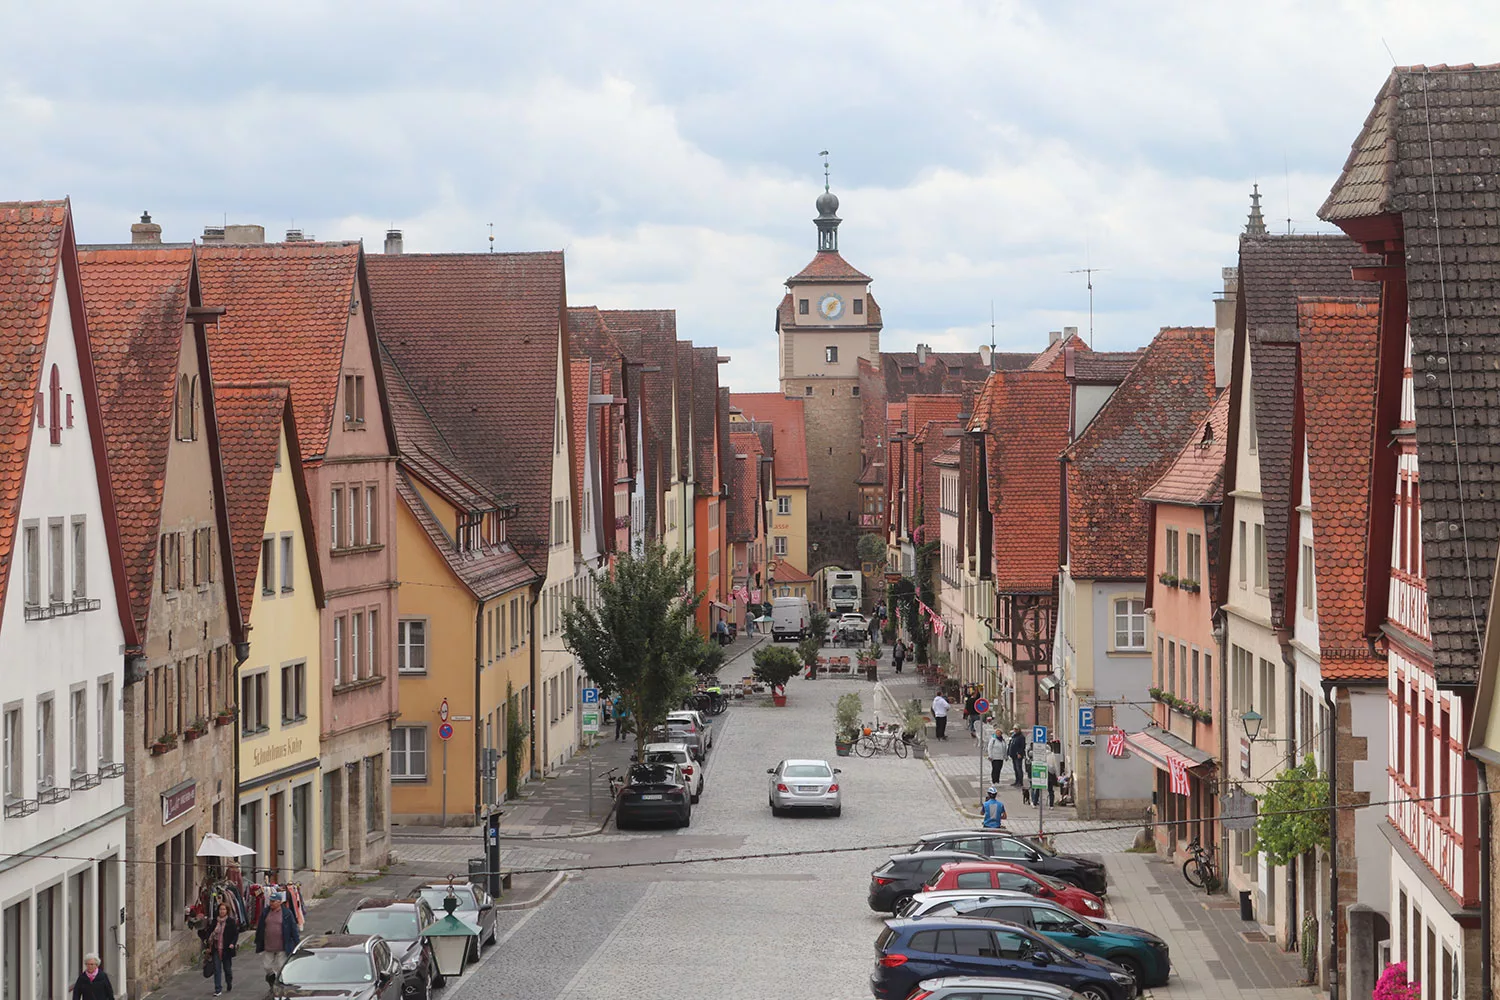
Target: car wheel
<point>900,901</point>
<point>687,819</point>
<point>1132,965</point>
<point>1091,992</point>
<point>837,810</point>
<point>695,799</point>
<point>620,823</point>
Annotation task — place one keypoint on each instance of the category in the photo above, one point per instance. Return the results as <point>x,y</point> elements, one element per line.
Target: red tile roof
<point>1126,448</point>
<point>787,573</point>
<point>1108,367</point>
<point>655,333</point>
<point>286,317</point>
<point>1055,351</point>
<point>32,235</point>
<point>251,417</point>
<point>684,397</point>
<point>745,492</point>
<point>705,418</point>
<point>784,413</point>
<point>136,301</point>
<point>591,337</point>
<point>941,373</point>
<point>827,265</point>
<point>488,572</point>
<point>476,336</point>
<point>1025,418</point>
<point>1340,344</point>
<point>1197,476</point>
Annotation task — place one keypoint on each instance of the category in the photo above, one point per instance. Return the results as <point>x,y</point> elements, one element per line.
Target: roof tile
<point>784,413</point>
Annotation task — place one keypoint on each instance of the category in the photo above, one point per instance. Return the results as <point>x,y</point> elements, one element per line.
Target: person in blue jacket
<point>993,809</point>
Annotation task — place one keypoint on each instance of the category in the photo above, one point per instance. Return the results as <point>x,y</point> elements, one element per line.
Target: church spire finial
<point>824,155</point>
<point>828,219</point>
<point>1257,224</point>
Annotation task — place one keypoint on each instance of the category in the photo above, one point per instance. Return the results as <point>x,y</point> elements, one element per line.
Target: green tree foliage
<point>708,657</point>
<point>808,650</point>
<point>871,549</point>
<point>515,742</point>
<point>640,640</point>
<point>775,665</point>
<point>819,624</point>
<point>846,715</point>
<point>1293,814</point>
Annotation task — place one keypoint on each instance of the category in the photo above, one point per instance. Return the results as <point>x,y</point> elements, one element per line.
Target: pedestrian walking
<point>220,936</point>
<point>993,809</point>
<point>93,982</point>
<point>971,713</point>
<point>1056,768</point>
<point>898,654</point>
<point>998,750</point>
<point>622,716</point>
<point>940,715</point>
<point>1016,751</point>
<point>276,936</point>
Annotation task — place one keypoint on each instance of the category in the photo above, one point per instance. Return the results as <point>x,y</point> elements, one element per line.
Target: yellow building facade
<point>464,650</point>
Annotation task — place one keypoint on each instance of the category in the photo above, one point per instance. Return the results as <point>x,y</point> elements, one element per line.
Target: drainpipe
<point>1334,979</point>
<point>1221,640</point>
<point>535,667</point>
<point>479,802</point>
<point>241,654</point>
<point>1486,863</point>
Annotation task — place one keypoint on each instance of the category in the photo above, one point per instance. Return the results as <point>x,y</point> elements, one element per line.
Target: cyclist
<point>993,809</point>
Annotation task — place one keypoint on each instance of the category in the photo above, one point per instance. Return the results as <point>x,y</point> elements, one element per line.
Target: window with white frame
<point>46,754</point>
<point>254,703</point>
<point>56,562</point>
<point>335,511</point>
<point>1241,679</point>
<point>14,748</point>
<point>411,645</point>
<point>1130,623</point>
<point>356,640</point>
<point>78,730</point>
<point>1172,563</point>
<point>338,650</point>
<point>1192,568</point>
<point>372,511</point>
<point>1260,557</point>
<point>778,546</point>
<point>1244,559</point>
<point>80,558</point>
<point>1267,707</point>
<point>268,565</point>
<point>372,644</point>
<point>105,694</point>
<point>286,564</point>
<point>783,505</point>
<point>32,543</point>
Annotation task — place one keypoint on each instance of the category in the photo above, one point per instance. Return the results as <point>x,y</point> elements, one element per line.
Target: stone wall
<point>833,417</point>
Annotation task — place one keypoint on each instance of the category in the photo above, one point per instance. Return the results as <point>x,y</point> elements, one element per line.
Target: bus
<point>844,591</point>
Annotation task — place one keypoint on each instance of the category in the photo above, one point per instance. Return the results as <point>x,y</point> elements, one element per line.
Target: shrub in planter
<point>774,666</point>
<point>846,722</point>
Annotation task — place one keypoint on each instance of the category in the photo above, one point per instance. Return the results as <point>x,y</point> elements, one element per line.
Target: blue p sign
<point>590,696</point>
<point>1085,720</point>
<point>1039,734</point>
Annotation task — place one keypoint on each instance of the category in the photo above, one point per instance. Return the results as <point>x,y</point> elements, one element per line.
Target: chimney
<point>1053,337</point>
<point>1069,332</point>
<point>1224,306</point>
<point>922,350</point>
<point>145,231</point>
<point>294,236</point>
<point>213,234</point>
<point>244,234</point>
<point>393,241</point>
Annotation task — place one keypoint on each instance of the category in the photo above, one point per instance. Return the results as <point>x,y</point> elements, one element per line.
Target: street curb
<point>540,897</point>
<point>942,780</point>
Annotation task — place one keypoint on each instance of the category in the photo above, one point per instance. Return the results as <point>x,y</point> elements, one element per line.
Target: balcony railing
<point>115,769</point>
<point>53,794</point>
<point>62,609</point>
<point>16,808</point>
<point>84,781</point>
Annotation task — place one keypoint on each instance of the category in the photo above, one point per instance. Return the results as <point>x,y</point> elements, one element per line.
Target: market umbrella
<point>215,846</point>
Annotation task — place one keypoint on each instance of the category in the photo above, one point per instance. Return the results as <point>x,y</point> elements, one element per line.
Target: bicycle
<point>881,741</point>
<point>616,781</point>
<point>1199,869</point>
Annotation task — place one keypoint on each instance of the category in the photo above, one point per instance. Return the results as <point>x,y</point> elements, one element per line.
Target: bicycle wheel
<point>1192,870</point>
<point>898,746</point>
<point>866,746</point>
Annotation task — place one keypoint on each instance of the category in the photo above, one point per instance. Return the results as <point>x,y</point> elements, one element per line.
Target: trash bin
<point>1247,909</point>
<point>477,869</point>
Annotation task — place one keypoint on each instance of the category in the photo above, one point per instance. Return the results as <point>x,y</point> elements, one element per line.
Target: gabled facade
<point>1102,650</point>
<point>749,522</point>
<point>65,620</point>
<point>790,509</point>
<point>710,492</point>
<point>321,339</point>
<point>1416,195</point>
<point>279,595</point>
<point>146,329</point>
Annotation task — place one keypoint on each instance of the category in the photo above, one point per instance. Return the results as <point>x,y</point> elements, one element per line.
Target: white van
<point>791,618</point>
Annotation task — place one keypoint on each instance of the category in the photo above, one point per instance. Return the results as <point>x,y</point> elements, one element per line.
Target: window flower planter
<point>224,718</point>
<point>1168,579</point>
<point>163,745</point>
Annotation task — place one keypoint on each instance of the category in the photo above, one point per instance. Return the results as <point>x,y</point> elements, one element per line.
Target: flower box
<point>224,718</point>
<point>163,746</point>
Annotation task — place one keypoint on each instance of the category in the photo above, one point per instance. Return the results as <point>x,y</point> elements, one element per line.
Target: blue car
<point>910,951</point>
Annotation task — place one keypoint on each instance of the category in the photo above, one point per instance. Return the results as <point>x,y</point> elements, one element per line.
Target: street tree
<point>640,640</point>
<point>775,665</point>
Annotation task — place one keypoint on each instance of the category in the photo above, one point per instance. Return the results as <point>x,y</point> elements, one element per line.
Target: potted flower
<point>913,721</point>
<point>846,723</point>
<point>197,729</point>
<point>164,744</point>
<point>225,717</point>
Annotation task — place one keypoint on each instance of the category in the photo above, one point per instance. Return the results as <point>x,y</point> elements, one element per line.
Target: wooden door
<point>273,839</point>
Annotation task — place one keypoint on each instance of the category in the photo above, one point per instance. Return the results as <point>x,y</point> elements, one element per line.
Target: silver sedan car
<point>804,784</point>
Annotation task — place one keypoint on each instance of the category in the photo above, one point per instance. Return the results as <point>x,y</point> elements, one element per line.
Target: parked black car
<point>347,966</point>
<point>902,877</point>
<point>1028,852</point>
<point>910,951</point>
<point>654,793</point>
<point>401,922</point>
<point>475,906</point>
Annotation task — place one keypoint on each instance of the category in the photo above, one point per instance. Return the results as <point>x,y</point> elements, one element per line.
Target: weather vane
<point>824,155</point>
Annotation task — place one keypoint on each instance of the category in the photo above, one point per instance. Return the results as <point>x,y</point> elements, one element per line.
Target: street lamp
<point>1252,720</point>
<point>450,938</point>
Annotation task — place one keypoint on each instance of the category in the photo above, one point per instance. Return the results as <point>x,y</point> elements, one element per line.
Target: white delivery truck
<point>791,618</point>
<point>844,591</point>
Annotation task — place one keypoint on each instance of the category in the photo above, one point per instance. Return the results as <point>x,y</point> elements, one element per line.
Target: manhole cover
<point>1254,935</point>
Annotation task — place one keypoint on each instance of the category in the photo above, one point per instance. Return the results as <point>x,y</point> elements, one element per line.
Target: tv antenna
<point>1090,272</point>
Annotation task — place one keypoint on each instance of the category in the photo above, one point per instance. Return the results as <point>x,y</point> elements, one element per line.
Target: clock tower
<point>826,324</point>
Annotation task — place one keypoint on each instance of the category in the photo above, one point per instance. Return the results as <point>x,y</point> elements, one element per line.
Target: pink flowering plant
<point>1394,986</point>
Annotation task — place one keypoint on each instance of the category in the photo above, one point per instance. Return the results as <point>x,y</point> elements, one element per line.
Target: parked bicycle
<point>1199,869</point>
<point>882,741</point>
<point>616,781</point>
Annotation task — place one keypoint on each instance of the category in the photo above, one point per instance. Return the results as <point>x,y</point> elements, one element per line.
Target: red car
<point>1014,878</point>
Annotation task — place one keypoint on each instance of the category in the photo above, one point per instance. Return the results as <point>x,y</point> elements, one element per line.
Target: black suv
<point>654,792</point>
<point>1028,852</point>
<point>902,877</point>
<point>401,922</point>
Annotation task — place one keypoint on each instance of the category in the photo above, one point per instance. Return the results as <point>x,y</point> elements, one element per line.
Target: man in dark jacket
<point>1017,753</point>
<point>276,936</point>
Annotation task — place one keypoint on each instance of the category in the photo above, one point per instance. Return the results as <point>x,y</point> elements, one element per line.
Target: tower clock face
<point>831,306</point>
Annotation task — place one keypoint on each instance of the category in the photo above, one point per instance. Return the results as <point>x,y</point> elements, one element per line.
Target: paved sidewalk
<point>1215,955</point>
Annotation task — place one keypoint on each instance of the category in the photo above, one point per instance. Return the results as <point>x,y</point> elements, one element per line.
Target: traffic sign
<point>1038,774</point>
<point>1085,720</point>
<point>445,732</point>
<point>443,711</point>
<point>591,696</point>
<point>1039,734</point>
<point>982,706</point>
<point>591,718</point>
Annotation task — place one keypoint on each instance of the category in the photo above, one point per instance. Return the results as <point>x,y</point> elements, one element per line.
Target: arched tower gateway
<point>827,322</point>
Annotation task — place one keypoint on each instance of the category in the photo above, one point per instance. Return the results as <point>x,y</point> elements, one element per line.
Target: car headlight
<point>1092,905</point>
<point>1123,978</point>
<point>410,964</point>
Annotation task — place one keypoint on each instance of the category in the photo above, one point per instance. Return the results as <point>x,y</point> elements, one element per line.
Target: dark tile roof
<point>1429,154</point>
<point>136,302</point>
<point>582,377</point>
<point>1274,272</point>
<point>591,337</point>
<point>1340,345</point>
<point>1108,367</point>
<point>827,265</point>
<point>32,235</point>
<point>1024,415</point>
<point>287,317</point>
<point>745,492</point>
<point>685,432</point>
<point>941,372</point>
<point>1197,476</point>
<point>476,336</point>
<point>784,414</point>
<point>705,404</point>
<point>650,337</point>
<point>721,431</point>
<point>1126,448</point>
<point>488,572</point>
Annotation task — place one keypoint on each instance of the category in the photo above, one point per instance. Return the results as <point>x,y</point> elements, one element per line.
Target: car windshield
<point>393,925</point>
<point>1043,848</point>
<point>651,774</point>
<point>322,968</point>
<point>842,592</point>
<point>435,898</point>
<point>686,725</point>
<point>665,756</point>
<point>806,771</point>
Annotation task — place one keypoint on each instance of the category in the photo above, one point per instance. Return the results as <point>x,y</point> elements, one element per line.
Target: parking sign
<point>1086,720</point>
<point>590,696</point>
<point>1039,734</point>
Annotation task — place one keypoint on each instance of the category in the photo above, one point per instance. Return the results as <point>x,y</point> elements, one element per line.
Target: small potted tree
<point>846,723</point>
<point>774,666</point>
<point>808,649</point>
<point>913,722</point>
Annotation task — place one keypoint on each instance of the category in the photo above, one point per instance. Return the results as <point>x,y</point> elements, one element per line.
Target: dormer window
<point>354,400</point>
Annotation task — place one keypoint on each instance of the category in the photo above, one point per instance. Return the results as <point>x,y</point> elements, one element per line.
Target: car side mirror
<point>770,770</point>
<point>1041,958</point>
<point>838,770</point>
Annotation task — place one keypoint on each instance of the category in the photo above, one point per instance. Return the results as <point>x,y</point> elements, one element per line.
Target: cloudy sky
<point>981,149</point>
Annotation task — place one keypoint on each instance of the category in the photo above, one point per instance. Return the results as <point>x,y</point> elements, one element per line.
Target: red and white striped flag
<point>1116,745</point>
<point>1179,776</point>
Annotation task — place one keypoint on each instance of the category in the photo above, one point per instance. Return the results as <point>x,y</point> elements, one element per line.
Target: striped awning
<point>1163,749</point>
